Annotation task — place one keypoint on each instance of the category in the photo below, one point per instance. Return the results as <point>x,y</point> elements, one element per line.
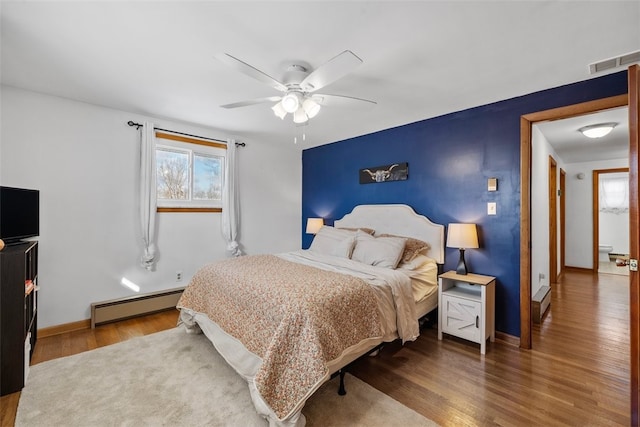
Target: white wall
<point>540,152</point>
<point>84,160</point>
<point>579,205</point>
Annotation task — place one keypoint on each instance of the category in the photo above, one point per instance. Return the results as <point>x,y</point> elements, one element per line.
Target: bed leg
<point>341,389</point>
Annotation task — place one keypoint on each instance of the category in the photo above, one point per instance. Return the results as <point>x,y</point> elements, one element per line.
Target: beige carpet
<point>175,379</point>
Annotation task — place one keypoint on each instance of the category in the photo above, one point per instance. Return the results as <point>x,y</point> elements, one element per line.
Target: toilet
<point>603,253</point>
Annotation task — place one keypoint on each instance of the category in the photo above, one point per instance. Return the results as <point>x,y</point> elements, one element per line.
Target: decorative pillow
<point>378,251</point>
<point>366,230</point>
<point>333,241</point>
<point>412,247</point>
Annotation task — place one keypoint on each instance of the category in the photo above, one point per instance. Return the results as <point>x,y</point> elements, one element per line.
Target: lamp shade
<point>462,236</point>
<point>300,116</point>
<point>311,107</point>
<point>279,111</point>
<point>314,225</point>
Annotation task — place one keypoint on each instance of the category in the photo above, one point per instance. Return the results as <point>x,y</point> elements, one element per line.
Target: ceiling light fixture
<point>300,116</point>
<point>305,107</point>
<point>311,107</point>
<point>597,131</point>
<point>278,110</point>
<point>291,102</point>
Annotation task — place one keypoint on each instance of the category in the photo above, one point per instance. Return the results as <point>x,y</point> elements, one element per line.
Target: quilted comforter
<point>295,317</point>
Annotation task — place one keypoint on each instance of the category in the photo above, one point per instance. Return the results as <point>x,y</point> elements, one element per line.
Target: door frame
<point>526,123</point>
<point>634,236</point>
<point>563,188</point>
<point>553,220</point>
<point>596,211</point>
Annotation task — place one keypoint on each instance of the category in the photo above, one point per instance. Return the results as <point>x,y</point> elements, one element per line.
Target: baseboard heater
<point>133,306</point>
<point>540,303</point>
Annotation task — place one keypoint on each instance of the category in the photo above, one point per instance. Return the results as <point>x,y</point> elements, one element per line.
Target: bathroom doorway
<point>611,221</point>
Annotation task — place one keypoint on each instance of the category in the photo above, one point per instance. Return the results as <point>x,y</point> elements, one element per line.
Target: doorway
<point>611,221</point>
<point>632,99</point>
<point>526,126</point>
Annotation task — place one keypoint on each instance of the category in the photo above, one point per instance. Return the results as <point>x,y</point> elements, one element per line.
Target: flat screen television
<point>19,214</point>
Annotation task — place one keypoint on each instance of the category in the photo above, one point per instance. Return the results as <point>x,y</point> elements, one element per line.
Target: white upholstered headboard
<point>400,220</point>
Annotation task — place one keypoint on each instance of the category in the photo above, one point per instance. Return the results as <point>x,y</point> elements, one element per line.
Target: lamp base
<point>462,266</point>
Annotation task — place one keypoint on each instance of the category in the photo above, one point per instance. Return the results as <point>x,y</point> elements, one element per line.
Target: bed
<point>286,322</point>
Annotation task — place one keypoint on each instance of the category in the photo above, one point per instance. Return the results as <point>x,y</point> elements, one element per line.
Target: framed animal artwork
<point>386,173</point>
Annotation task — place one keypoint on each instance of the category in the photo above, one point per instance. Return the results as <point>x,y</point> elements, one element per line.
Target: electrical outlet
<point>178,276</point>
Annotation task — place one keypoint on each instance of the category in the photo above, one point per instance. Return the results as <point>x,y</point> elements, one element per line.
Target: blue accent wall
<point>450,159</point>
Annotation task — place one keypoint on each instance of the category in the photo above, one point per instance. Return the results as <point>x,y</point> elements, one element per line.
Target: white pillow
<point>415,263</point>
<point>333,241</point>
<point>378,251</point>
<point>423,272</point>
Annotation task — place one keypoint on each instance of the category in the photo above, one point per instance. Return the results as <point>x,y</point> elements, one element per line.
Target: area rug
<point>172,378</point>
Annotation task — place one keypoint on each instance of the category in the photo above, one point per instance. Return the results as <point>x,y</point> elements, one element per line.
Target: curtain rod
<point>138,126</point>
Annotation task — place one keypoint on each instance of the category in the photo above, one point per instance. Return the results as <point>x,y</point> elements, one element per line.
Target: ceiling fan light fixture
<point>291,102</point>
<point>279,111</point>
<point>300,116</point>
<point>311,107</point>
<point>597,131</point>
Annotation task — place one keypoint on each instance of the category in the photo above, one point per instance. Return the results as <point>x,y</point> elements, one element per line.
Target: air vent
<point>611,63</point>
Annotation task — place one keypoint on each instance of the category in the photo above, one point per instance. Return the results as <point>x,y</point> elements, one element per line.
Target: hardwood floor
<point>576,375</point>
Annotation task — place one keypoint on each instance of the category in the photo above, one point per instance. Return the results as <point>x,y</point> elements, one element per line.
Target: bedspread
<point>291,315</point>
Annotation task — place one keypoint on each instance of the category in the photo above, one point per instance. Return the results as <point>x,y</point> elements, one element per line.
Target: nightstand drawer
<point>461,317</point>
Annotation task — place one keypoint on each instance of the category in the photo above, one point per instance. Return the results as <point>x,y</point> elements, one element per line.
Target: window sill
<point>184,210</point>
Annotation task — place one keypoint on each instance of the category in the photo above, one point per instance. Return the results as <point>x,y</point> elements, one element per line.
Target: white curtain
<point>148,203</point>
<point>614,194</point>
<point>230,205</point>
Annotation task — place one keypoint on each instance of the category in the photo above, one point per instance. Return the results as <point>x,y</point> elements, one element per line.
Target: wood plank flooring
<point>576,375</point>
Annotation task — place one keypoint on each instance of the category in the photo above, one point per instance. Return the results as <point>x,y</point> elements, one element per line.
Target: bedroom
<point>79,152</point>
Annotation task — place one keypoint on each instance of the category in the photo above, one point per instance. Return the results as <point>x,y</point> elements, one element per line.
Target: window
<point>614,193</point>
<point>189,174</point>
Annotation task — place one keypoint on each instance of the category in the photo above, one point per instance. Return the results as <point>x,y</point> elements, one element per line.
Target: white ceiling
<point>572,146</point>
<point>422,59</point>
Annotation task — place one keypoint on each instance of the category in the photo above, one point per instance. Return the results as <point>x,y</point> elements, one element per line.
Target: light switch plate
<point>491,208</point>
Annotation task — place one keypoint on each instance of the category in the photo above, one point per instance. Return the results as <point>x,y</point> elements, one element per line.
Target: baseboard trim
<point>580,270</point>
<point>66,327</point>
<point>508,339</point>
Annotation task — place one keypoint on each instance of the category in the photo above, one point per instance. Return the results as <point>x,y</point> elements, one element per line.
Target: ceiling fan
<point>299,86</point>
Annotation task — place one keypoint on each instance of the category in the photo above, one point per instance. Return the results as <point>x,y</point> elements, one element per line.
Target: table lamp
<point>462,236</point>
<point>314,225</point>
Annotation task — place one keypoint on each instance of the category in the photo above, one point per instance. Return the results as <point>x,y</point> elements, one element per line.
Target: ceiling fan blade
<point>330,71</point>
<point>250,71</point>
<point>343,101</point>
<point>252,102</point>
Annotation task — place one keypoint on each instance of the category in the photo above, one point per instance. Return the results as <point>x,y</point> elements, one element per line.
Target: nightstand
<point>466,307</point>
